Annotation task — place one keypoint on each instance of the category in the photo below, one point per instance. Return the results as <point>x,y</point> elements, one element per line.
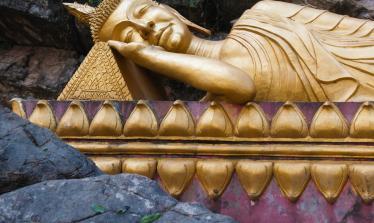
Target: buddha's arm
<point>207,74</point>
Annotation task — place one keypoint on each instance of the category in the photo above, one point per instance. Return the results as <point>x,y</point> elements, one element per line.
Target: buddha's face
<point>148,22</point>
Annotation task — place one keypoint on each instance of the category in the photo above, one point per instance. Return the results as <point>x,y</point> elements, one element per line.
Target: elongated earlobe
<point>190,24</point>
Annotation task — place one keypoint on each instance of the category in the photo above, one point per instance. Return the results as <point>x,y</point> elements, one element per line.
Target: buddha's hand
<point>133,49</point>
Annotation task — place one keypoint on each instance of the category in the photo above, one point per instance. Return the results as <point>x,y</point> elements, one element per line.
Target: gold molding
<point>74,122</point>
<point>109,165</point>
<point>43,115</point>
<point>176,174</point>
<point>254,176</point>
<point>292,178</point>
<point>363,123</point>
<point>254,150</point>
<point>362,179</point>
<point>214,122</point>
<point>17,107</point>
<point>106,122</point>
<point>178,121</point>
<point>252,122</point>
<point>289,122</point>
<point>214,176</point>
<point>330,179</point>
<point>251,125</point>
<point>141,166</point>
<point>141,122</point>
<point>329,122</point>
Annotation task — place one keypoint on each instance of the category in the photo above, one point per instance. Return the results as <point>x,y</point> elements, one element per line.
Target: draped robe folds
<point>303,54</point>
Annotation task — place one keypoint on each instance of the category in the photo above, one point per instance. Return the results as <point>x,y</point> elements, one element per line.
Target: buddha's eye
<point>141,10</point>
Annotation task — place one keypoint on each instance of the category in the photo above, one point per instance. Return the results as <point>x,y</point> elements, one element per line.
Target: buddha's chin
<point>173,43</point>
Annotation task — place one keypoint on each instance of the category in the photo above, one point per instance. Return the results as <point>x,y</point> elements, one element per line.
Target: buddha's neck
<point>204,48</point>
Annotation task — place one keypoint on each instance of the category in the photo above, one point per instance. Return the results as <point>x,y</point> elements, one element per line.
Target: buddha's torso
<point>291,60</point>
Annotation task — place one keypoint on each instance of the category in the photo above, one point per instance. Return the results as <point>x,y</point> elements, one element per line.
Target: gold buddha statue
<point>275,51</point>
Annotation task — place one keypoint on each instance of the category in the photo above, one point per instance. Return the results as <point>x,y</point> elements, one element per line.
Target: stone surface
<point>120,198</point>
<point>36,72</point>
<point>29,154</point>
<point>41,23</point>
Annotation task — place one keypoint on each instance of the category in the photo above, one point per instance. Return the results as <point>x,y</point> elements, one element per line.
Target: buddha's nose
<point>144,28</point>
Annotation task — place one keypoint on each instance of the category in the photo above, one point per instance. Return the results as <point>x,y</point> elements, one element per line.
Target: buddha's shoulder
<point>283,9</point>
<point>319,19</point>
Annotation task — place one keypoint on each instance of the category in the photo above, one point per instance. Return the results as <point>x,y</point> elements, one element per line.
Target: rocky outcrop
<point>41,23</point>
<point>36,72</point>
<point>29,154</point>
<point>120,198</point>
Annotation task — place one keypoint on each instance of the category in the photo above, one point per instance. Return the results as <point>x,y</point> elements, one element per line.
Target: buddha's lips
<point>160,32</point>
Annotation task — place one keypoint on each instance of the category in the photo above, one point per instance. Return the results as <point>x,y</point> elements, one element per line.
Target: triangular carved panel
<point>97,78</point>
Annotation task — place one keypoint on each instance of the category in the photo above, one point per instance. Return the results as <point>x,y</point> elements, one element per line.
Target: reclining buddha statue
<point>275,51</point>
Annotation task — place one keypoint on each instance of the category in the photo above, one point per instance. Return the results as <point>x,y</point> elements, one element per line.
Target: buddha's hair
<point>101,14</point>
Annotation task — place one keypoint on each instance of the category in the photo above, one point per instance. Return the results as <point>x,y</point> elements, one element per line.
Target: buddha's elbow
<point>243,93</point>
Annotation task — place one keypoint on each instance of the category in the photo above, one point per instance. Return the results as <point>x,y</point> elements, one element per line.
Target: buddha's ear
<point>190,24</point>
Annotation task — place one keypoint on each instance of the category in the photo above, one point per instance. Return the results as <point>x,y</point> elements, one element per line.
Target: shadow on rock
<point>30,154</point>
<point>120,198</point>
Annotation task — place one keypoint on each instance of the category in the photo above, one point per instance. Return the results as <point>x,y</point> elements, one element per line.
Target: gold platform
<point>220,141</point>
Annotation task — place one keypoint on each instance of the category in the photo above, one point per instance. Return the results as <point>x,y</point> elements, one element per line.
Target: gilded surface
<point>363,122</point>
<point>178,121</point>
<point>252,122</point>
<point>141,166</point>
<point>106,122</point>
<point>214,122</point>
<point>141,122</point>
<point>43,116</point>
<point>109,165</point>
<point>176,174</point>
<point>275,51</point>
<point>292,178</point>
<point>214,175</point>
<point>98,77</point>
<point>74,122</point>
<point>330,179</point>
<point>288,124</point>
<point>329,122</point>
<point>254,176</point>
<point>17,107</point>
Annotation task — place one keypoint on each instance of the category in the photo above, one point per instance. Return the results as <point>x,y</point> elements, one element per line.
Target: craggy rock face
<point>37,72</point>
<point>120,198</point>
<point>29,154</point>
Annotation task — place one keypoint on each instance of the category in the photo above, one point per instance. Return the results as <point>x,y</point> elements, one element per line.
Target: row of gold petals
<point>254,176</point>
<point>288,122</point>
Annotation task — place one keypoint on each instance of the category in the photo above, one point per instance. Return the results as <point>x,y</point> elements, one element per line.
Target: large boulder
<point>107,199</point>
<point>35,72</point>
<point>30,154</point>
<point>41,23</point>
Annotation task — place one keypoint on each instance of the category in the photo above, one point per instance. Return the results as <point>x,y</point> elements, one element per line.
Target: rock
<point>30,154</point>
<point>120,198</point>
<point>37,72</point>
<point>40,23</point>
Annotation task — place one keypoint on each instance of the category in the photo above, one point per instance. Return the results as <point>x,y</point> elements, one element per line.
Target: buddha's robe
<point>304,54</point>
